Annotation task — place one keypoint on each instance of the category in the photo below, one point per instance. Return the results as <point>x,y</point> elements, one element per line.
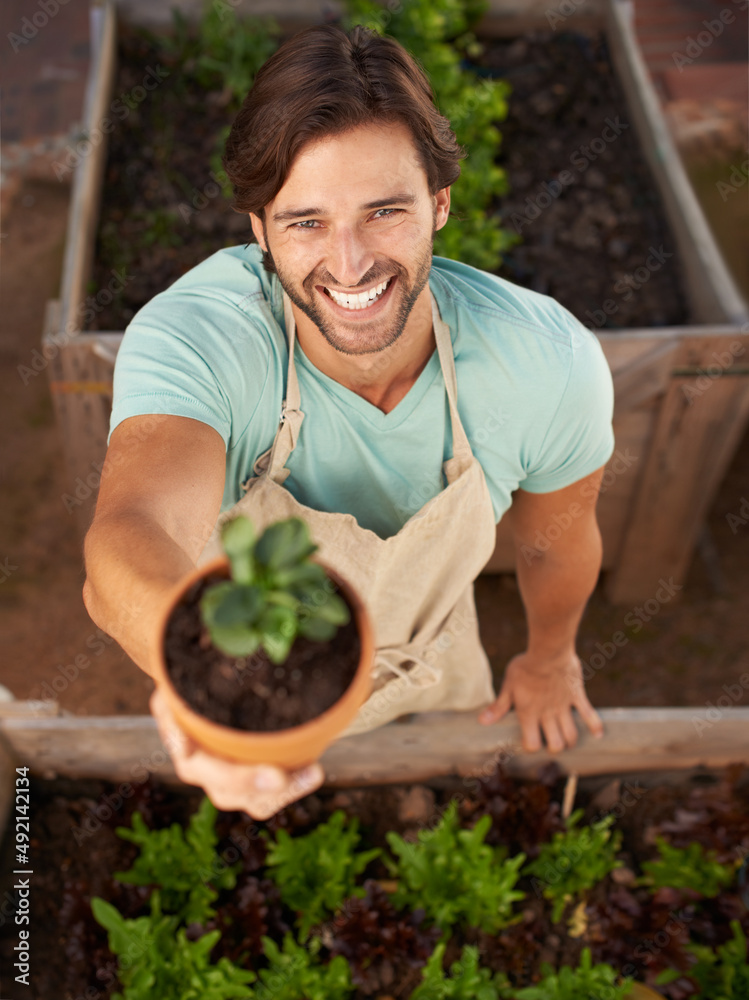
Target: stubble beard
<point>370,338</point>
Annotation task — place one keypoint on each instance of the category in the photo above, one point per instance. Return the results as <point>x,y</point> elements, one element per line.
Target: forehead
<point>358,165</point>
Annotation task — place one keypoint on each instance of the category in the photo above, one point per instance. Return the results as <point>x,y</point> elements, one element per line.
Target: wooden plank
<point>89,171</point>
<point>645,378</point>
<point>78,379</point>
<point>699,427</point>
<point>30,709</point>
<point>433,744</point>
<point>712,292</point>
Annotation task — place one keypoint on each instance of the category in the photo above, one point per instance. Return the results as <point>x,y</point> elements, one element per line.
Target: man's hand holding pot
<point>260,790</point>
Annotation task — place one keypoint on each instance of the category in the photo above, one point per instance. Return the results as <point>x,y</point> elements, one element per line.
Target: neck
<point>382,378</point>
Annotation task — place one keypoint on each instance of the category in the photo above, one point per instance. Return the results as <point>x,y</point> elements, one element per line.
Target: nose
<point>349,256</point>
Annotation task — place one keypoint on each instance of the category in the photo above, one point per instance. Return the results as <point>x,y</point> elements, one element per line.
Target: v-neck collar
<point>383,421</point>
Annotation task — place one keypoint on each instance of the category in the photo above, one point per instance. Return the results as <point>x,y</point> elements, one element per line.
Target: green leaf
<point>237,641</point>
<point>334,610</point>
<point>284,543</point>
<point>317,630</point>
<point>238,539</point>
<point>228,604</point>
<point>306,576</point>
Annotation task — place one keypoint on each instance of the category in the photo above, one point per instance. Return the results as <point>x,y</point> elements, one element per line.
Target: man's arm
<point>160,495</point>
<point>558,558</point>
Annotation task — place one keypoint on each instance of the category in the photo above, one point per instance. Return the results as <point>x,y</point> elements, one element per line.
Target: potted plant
<point>263,654</point>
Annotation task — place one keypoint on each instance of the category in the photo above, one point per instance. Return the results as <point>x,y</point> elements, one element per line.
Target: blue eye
<point>305,224</point>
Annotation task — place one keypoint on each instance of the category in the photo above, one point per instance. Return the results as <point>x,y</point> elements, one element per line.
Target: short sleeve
<point>580,437</point>
<point>188,354</point>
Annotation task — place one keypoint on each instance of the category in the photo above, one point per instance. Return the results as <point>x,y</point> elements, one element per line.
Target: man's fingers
<point>590,717</point>
<point>553,734</point>
<point>259,790</point>
<point>531,735</point>
<point>177,743</point>
<point>493,713</point>
<point>568,727</point>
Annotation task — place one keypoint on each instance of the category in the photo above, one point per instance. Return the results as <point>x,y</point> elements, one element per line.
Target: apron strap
<point>462,454</point>
<point>292,417</point>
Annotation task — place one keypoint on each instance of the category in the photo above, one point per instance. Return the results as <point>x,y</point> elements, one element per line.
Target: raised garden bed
<point>634,928</point>
<point>682,393</point>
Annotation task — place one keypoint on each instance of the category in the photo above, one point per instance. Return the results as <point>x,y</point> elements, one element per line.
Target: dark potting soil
<point>251,692</point>
<point>581,196</point>
<point>593,230</point>
<point>75,851</point>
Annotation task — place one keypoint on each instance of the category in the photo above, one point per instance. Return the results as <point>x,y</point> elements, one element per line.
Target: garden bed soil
<point>75,850</point>
<point>252,693</point>
<point>593,230</point>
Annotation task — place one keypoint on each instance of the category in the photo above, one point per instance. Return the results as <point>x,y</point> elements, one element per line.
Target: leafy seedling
<point>722,974</point>
<point>454,876</point>
<point>574,861</point>
<point>156,958</point>
<point>316,872</point>
<point>275,593</point>
<point>183,863</point>
<point>466,980</point>
<point>587,980</point>
<point>295,973</point>
<point>690,867</point>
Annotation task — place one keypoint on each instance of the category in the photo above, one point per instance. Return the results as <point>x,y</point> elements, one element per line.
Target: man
<point>435,399</point>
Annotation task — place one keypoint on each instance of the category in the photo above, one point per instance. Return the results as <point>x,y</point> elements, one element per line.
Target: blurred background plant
<point>438,33</point>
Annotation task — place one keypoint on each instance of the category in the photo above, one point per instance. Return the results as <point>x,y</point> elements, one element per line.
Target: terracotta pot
<point>288,748</point>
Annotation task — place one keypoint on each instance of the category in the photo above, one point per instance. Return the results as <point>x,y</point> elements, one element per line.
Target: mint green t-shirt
<point>534,391</point>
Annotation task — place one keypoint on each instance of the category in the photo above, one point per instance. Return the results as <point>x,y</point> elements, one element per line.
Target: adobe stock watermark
<point>31,26</point>
<point>714,711</point>
<point>712,29</point>
<point>736,180</point>
<point>7,569</point>
<point>84,488</point>
<point>708,376</point>
<point>626,286</point>
<point>565,9</point>
<point>736,521</point>
<point>200,198</point>
<point>119,109</point>
<point>634,621</point>
<point>620,463</point>
<point>581,159</point>
<point>67,673</point>
<point>109,804</point>
<point>84,315</point>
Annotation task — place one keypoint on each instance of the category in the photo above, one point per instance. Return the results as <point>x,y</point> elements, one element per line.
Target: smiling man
<point>420,400</point>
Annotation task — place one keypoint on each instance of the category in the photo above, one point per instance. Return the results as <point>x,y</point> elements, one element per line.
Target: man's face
<point>350,234</point>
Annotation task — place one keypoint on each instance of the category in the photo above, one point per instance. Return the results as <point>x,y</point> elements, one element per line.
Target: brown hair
<point>325,81</point>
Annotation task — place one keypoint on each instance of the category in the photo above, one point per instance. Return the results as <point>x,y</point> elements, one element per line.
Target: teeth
<point>360,300</point>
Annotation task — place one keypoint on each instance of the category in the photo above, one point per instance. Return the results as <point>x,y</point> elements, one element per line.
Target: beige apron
<point>417,584</point>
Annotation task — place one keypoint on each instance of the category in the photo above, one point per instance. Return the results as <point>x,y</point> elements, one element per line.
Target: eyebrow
<point>401,198</point>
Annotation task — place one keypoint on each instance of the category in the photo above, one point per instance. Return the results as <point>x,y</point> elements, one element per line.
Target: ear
<point>259,230</point>
<point>442,207</point>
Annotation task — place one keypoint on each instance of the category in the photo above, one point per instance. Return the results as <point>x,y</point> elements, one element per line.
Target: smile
<point>359,300</point>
